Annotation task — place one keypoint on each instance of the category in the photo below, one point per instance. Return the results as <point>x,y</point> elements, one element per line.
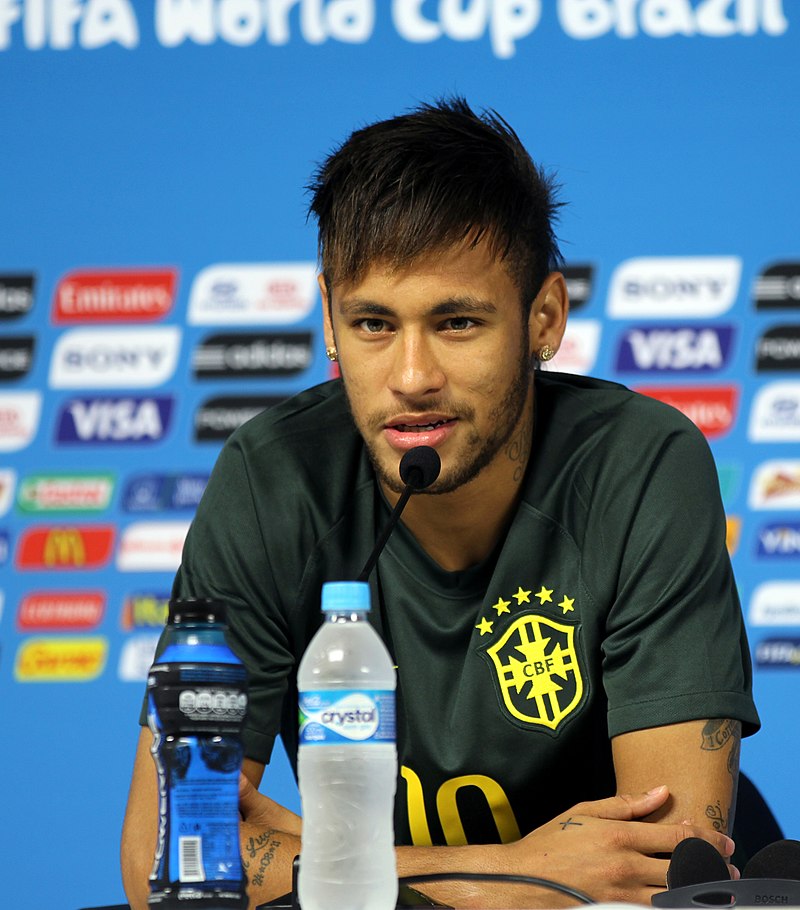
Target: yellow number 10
<point>447,808</point>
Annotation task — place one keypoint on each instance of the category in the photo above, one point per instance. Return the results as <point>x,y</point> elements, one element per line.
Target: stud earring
<point>546,353</point>
<point>332,354</point>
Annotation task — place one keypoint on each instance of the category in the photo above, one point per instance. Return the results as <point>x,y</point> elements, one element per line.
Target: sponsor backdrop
<point>157,288</point>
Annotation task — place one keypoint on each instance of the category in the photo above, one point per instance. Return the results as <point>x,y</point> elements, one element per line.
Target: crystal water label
<point>334,716</point>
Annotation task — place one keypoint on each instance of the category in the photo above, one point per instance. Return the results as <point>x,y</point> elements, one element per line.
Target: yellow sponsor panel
<point>61,659</point>
<point>733,532</point>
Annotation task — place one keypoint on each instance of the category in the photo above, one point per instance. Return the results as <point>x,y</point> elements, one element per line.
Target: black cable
<point>497,877</point>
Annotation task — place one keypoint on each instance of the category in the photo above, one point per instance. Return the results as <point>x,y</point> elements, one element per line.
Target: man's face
<point>439,354</point>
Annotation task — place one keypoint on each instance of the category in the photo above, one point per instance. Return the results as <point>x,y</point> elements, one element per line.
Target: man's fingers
<point>249,797</point>
<point>624,807</point>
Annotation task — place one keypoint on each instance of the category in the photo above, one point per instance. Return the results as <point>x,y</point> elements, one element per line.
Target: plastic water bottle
<point>347,760</point>
<point>197,698</point>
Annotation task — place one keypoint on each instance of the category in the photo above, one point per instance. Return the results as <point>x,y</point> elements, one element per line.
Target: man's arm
<point>270,833</point>
<point>699,762</point>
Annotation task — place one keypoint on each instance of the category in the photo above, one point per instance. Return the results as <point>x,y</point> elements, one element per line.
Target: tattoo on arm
<point>717,817</point>
<point>569,821</point>
<point>258,853</point>
<point>719,734</point>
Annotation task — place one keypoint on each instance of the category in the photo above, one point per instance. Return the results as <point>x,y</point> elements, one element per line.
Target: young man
<point>572,670</point>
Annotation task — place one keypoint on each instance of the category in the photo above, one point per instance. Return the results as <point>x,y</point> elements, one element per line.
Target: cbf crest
<point>537,668</point>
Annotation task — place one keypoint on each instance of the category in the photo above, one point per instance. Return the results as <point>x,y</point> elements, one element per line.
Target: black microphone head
<point>420,466</point>
<point>780,859</point>
<point>695,862</point>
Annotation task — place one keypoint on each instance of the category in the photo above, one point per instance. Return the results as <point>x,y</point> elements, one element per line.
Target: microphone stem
<point>387,530</point>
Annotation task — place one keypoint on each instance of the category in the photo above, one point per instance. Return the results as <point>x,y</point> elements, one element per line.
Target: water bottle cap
<point>196,609</point>
<point>345,597</point>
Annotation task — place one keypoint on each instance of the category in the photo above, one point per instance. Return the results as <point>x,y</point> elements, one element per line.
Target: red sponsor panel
<point>711,408</point>
<point>114,295</point>
<point>65,547</point>
<point>61,610</point>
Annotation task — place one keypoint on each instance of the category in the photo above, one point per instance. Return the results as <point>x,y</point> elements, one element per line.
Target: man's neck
<point>460,529</point>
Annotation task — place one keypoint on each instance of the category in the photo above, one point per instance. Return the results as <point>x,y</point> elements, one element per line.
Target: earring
<point>546,353</point>
<point>332,354</point>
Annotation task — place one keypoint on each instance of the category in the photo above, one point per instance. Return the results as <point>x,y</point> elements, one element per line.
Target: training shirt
<point>610,605</point>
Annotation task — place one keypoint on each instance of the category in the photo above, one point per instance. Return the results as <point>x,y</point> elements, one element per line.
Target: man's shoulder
<point>586,400</point>
<point>306,447</point>
<point>307,413</point>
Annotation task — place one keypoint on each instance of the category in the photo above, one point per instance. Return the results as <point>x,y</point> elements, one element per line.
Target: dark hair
<point>429,179</point>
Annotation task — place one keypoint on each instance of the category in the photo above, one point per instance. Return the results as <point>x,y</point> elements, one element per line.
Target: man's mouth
<point>418,427</point>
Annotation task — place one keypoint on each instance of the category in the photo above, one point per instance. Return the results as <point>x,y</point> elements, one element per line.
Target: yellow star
<point>566,604</point>
<point>502,606</point>
<point>484,627</point>
<point>545,595</point>
<point>522,596</point>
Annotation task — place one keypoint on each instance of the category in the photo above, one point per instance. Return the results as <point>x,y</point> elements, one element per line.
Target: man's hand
<point>603,849</point>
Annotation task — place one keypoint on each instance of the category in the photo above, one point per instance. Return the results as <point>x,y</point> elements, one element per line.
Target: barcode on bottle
<point>190,859</point>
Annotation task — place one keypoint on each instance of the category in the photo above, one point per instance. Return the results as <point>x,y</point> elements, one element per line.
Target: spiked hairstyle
<point>427,180</point>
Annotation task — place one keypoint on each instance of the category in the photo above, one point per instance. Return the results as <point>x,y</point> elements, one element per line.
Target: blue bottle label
<point>198,839</point>
<point>334,716</point>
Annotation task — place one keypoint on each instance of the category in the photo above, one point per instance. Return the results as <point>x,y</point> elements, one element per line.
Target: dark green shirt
<point>609,607</point>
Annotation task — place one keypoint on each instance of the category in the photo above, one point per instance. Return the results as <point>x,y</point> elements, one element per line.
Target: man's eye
<point>460,323</point>
<point>373,326</point>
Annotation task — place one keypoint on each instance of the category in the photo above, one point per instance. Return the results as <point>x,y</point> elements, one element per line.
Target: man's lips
<point>408,430</point>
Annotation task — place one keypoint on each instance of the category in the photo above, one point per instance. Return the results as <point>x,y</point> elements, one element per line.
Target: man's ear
<point>327,318</point>
<point>548,316</point>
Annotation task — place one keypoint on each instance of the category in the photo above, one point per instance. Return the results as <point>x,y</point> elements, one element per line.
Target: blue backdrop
<point>156,287</point>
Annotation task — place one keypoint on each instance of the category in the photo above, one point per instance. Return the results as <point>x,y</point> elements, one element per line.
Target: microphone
<point>780,859</point>
<point>419,467</point>
<point>695,862</point>
<point>698,877</point>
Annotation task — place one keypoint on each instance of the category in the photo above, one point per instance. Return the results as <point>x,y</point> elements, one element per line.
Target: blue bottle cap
<point>345,597</point>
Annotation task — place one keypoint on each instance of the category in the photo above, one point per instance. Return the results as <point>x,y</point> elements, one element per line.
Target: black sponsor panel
<point>16,356</point>
<point>16,295</point>
<point>252,354</point>
<point>778,349</point>
<point>778,287</point>
<point>580,283</point>
<point>217,418</point>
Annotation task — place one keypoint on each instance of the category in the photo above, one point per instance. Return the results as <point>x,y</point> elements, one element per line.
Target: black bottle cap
<point>196,609</point>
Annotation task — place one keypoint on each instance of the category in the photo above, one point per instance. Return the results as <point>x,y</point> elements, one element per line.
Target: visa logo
<point>779,540</point>
<point>132,419</point>
<point>691,349</point>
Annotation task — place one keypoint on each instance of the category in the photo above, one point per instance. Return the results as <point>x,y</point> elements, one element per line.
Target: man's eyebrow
<point>462,306</point>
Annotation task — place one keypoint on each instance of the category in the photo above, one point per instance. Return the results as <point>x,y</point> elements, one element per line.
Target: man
<point>572,670</point>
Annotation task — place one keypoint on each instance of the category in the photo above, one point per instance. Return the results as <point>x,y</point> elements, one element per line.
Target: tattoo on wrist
<point>718,732</point>
<point>258,853</point>
<point>568,822</point>
<point>717,817</point>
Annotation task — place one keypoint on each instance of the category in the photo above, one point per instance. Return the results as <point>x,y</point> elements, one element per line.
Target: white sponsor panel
<point>8,480</point>
<point>579,346</point>
<point>137,655</point>
<point>19,419</point>
<point>253,294</point>
<point>776,603</point>
<point>130,358</point>
<point>775,413</point>
<point>690,287</point>
<point>152,546</point>
<point>775,485</point>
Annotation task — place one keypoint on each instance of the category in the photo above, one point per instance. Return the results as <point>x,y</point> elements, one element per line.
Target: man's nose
<point>415,369</point>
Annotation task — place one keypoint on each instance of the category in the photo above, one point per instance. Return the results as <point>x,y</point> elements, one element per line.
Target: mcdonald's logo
<point>65,547</point>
